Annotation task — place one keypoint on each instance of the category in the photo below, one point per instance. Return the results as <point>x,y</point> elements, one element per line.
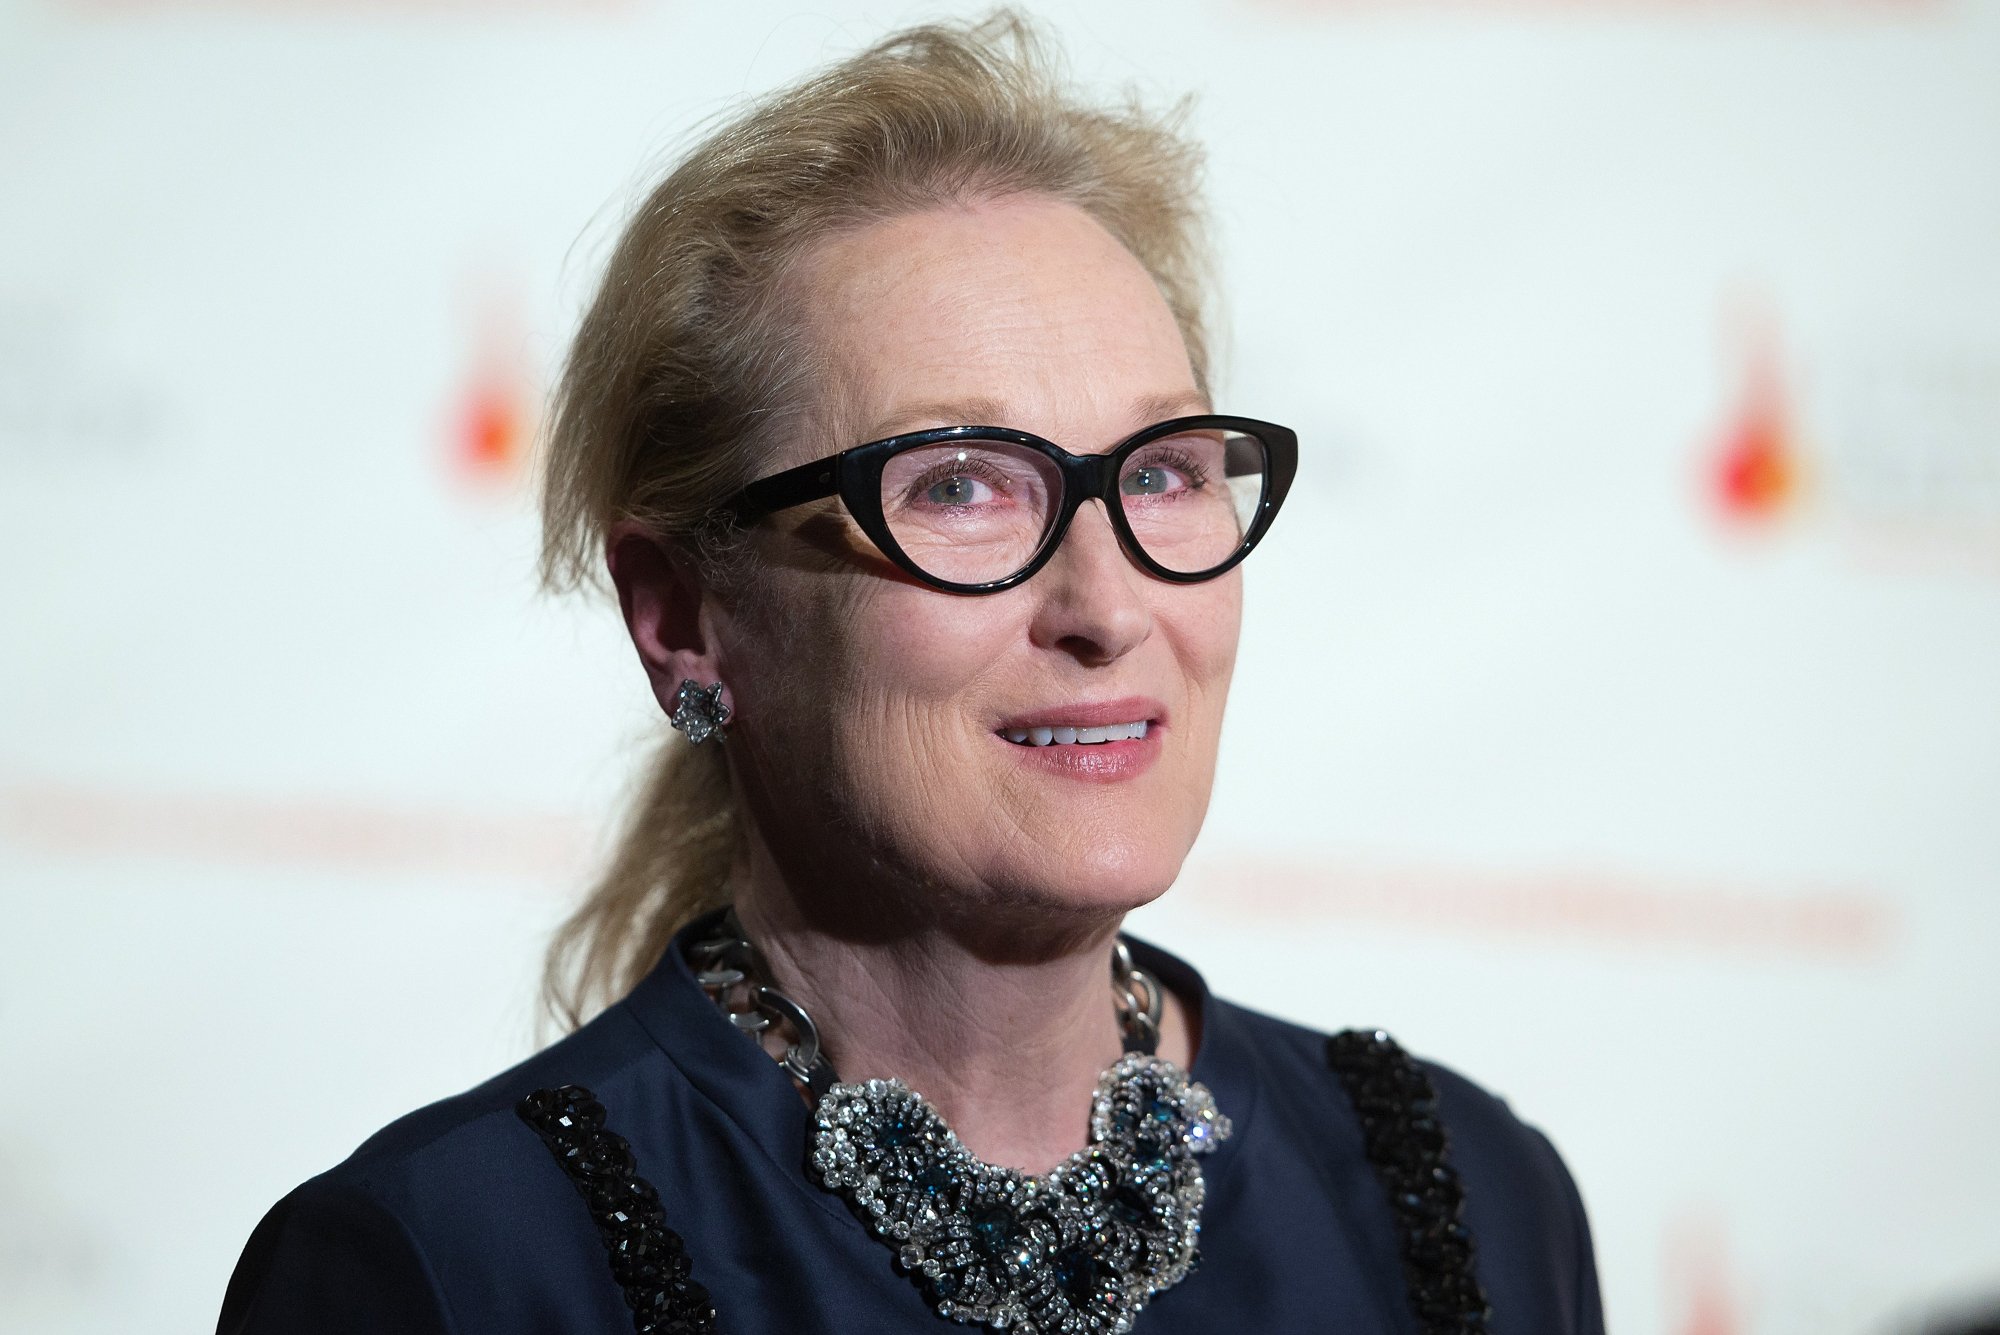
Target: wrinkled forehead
<point>1022,313</point>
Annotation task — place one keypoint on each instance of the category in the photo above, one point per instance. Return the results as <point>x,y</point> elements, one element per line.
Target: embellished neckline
<point>743,1084</point>
<point>1391,1094</point>
<point>1079,1250</point>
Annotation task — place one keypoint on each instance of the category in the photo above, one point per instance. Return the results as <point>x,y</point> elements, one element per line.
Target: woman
<point>891,423</point>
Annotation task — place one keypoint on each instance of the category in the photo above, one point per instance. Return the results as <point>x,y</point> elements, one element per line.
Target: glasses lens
<point>970,511</point>
<point>1190,498</point>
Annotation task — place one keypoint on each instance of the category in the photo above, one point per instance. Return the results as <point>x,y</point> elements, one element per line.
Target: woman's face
<point>873,714</point>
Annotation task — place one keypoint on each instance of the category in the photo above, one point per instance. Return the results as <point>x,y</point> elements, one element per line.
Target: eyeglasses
<point>978,509</point>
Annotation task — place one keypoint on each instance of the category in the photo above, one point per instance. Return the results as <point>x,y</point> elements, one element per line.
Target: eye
<point>956,490</point>
<point>1162,473</point>
<point>955,483</point>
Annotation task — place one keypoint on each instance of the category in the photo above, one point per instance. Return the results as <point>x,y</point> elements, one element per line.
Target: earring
<point>698,710</point>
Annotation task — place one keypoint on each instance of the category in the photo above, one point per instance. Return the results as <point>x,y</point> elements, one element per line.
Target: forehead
<point>1026,309</point>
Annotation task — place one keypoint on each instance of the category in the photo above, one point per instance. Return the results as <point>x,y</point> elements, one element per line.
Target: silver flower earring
<point>698,710</point>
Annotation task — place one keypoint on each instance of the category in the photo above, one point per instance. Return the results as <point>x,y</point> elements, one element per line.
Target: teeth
<point>1115,732</point>
<point>1068,736</point>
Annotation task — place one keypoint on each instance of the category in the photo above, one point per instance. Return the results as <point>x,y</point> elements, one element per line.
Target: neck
<point>1007,1045</point>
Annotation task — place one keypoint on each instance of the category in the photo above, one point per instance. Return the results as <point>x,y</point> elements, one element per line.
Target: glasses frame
<point>855,475</point>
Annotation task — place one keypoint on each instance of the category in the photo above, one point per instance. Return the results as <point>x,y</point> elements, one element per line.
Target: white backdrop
<point>1617,718</point>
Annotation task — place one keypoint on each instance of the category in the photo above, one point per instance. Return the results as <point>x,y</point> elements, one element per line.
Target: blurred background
<point>1618,718</point>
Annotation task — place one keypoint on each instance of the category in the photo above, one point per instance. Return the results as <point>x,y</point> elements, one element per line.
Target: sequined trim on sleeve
<point>648,1259</point>
<point>1407,1145</point>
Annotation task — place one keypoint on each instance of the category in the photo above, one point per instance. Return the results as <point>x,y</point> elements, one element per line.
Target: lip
<point>1099,762</point>
<point>1103,713</point>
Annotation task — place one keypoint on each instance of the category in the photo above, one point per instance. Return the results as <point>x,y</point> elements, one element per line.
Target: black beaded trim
<point>648,1259</point>
<point>1406,1143</point>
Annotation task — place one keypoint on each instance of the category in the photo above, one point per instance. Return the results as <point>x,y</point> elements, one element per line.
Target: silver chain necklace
<point>1079,1250</point>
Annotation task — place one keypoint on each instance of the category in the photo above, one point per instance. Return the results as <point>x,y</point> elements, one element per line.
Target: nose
<point>1092,605</point>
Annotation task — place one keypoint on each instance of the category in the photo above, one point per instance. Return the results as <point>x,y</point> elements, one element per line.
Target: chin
<point>1109,878</point>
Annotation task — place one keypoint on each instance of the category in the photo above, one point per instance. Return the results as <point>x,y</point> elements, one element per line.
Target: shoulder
<point>406,1232</point>
<point>456,1133</point>
<point>427,1163</point>
<point>1360,1092</point>
<point>1329,1068</point>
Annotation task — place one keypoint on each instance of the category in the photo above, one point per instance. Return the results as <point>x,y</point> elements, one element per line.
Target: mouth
<point>1101,723</point>
<point>1068,734</point>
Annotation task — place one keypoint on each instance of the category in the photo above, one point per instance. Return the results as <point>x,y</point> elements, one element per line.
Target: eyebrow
<point>982,411</point>
<point>1159,407</point>
<point>947,412</point>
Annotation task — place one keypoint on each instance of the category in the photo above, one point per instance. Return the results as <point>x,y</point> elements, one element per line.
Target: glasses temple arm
<point>781,491</point>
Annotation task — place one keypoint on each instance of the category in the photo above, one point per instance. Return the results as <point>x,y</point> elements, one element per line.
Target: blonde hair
<point>685,369</point>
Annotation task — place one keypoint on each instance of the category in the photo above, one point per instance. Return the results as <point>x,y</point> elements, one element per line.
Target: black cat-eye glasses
<point>978,509</point>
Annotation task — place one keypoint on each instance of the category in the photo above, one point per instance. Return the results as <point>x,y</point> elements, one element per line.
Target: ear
<point>668,612</point>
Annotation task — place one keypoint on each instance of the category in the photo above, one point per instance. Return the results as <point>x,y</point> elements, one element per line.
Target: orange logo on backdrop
<point>1711,1313</point>
<point>492,414</point>
<point>1899,460</point>
<point>1756,468</point>
<point>494,425</point>
<point>1699,1279</point>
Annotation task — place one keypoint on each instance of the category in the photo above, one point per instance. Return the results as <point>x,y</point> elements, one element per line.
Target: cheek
<point>885,672</point>
<point>1204,631</point>
<point>918,658</point>
<point>1203,634</point>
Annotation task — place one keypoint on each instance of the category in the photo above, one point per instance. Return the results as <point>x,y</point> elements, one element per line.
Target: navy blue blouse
<point>456,1218</point>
